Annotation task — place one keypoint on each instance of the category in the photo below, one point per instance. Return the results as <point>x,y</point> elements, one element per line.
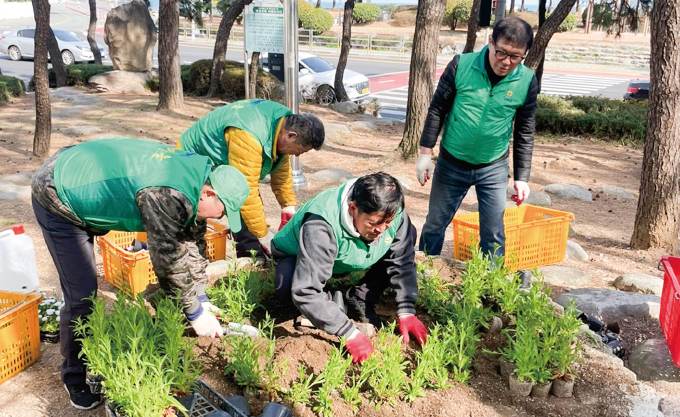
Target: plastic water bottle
<point>18,270</point>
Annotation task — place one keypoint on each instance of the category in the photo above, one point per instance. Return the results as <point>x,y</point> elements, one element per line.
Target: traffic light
<point>485,13</point>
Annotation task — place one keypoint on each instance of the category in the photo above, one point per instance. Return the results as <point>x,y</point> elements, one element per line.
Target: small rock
<point>334,175</point>
<point>378,121</point>
<point>12,192</point>
<point>559,162</point>
<point>568,191</point>
<point>651,361</point>
<point>496,325</point>
<point>367,329</point>
<point>345,107</point>
<point>575,251</point>
<point>564,276</point>
<point>613,305</point>
<point>642,283</point>
<point>81,130</point>
<point>218,269</point>
<point>337,132</point>
<point>614,192</point>
<point>559,310</point>
<point>22,178</point>
<point>363,125</point>
<point>670,406</point>
<point>537,198</point>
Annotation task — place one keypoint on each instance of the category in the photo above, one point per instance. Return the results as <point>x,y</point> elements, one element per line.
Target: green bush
<point>365,12</point>
<point>597,117</point>
<point>304,7</point>
<point>317,20</point>
<point>457,12</point>
<point>567,25</point>
<point>198,78</point>
<point>233,87</point>
<point>10,87</point>
<point>78,74</point>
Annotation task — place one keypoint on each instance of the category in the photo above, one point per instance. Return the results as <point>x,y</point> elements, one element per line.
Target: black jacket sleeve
<point>441,105</point>
<point>523,137</point>
<point>399,263</point>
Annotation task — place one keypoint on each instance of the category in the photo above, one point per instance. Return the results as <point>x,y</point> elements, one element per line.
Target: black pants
<point>369,289</point>
<point>245,242</point>
<point>71,248</point>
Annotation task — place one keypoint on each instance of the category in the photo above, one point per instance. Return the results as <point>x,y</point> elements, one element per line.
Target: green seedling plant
<point>300,391</point>
<point>434,295</point>
<point>240,293</point>
<point>350,393</point>
<point>332,377</point>
<point>244,364</point>
<point>273,370</point>
<point>432,365</point>
<point>567,349</point>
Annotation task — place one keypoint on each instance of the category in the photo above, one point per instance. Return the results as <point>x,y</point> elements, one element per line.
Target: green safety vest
<point>478,128</point>
<point>258,117</point>
<point>353,253</point>
<point>99,180</point>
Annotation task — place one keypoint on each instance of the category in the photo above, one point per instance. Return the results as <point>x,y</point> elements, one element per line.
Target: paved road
<point>393,101</point>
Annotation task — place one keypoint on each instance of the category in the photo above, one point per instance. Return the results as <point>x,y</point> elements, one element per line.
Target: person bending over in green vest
<point>131,185</point>
<point>477,99</point>
<point>256,137</point>
<point>360,225</point>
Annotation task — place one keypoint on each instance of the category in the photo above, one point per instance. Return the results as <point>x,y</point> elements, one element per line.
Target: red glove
<point>411,325</point>
<point>359,347</point>
<point>285,218</point>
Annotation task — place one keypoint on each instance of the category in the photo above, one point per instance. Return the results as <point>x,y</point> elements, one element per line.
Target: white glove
<point>207,325</point>
<point>522,189</point>
<point>266,241</point>
<point>424,168</point>
<point>289,210</point>
<point>211,308</point>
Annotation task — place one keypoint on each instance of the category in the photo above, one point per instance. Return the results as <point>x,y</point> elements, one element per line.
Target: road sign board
<point>264,28</point>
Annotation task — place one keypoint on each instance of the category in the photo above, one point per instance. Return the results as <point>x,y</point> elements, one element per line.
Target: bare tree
<point>657,222</point>
<point>340,93</point>
<point>170,91</point>
<point>43,111</point>
<point>253,74</point>
<point>90,33</point>
<point>221,41</point>
<point>58,66</point>
<point>423,65</point>
<point>545,33</point>
<point>318,4</point>
<point>473,22</point>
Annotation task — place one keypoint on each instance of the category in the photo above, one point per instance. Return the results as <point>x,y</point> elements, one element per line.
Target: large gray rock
<point>536,198</point>
<point>131,36</point>
<point>334,175</point>
<point>345,107</point>
<point>670,406</point>
<point>651,361</point>
<point>121,82</point>
<point>76,97</point>
<point>336,132</point>
<point>613,192</point>
<point>575,251</point>
<point>378,121</point>
<point>22,178</point>
<point>364,125</point>
<point>642,283</point>
<point>564,276</point>
<point>12,192</point>
<point>569,191</point>
<point>613,305</point>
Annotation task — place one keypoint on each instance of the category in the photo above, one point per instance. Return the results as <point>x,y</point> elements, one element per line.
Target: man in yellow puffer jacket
<point>256,137</point>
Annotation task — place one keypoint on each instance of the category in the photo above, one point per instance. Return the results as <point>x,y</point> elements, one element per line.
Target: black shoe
<point>360,310</point>
<point>81,397</point>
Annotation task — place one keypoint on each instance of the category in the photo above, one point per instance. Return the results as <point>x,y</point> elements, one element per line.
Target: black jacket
<point>525,121</point>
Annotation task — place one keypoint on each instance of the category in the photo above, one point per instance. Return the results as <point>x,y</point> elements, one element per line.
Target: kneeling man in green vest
<point>131,185</point>
<point>360,225</point>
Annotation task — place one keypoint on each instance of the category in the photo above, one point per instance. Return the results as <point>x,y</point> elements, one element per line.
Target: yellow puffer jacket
<point>245,154</point>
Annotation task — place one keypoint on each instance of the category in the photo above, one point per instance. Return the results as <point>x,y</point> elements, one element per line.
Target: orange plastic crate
<point>670,306</point>
<point>534,236</point>
<point>19,332</point>
<point>126,269</point>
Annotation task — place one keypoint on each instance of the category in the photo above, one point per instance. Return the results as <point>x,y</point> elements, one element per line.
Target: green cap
<point>232,189</point>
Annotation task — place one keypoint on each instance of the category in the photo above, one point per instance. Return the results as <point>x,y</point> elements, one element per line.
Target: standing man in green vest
<point>360,225</point>
<point>478,97</point>
<point>131,185</point>
<point>256,137</point>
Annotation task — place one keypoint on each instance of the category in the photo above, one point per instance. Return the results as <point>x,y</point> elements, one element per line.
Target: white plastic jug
<point>18,270</point>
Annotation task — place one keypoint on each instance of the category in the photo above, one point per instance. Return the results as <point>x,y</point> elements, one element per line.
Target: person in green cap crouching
<point>131,185</point>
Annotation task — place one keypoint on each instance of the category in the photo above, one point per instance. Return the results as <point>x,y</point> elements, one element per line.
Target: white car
<point>19,44</point>
<point>317,77</point>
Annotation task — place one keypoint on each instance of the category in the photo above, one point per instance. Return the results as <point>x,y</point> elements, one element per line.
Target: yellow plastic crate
<point>126,269</point>
<point>534,236</point>
<point>19,332</point>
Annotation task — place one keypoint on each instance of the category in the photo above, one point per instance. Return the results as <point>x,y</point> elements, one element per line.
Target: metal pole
<point>290,58</point>
<point>246,73</point>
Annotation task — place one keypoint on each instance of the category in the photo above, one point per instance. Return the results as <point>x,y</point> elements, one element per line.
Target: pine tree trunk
<point>512,7</point>
<point>91,31</point>
<point>318,4</point>
<point>340,93</point>
<point>541,22</point>
<point>58,66</point>
<point>521,7</point>
<point>423,66</point>
<point>544,34</point>
<point>43,111</point>
<point>578,9</point>
<point>221,41</point>
<point>657,222</point>
<point>170,92</point>
<point>253,74</point>
<point>473,22</point>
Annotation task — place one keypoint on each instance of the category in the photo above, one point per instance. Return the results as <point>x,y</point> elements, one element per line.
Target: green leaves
<point>241,292</point>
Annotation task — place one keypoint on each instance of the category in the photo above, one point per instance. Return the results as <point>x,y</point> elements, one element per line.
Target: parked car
<point>317,77</point>
<point>637,90</point>
<point>19,44</point>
